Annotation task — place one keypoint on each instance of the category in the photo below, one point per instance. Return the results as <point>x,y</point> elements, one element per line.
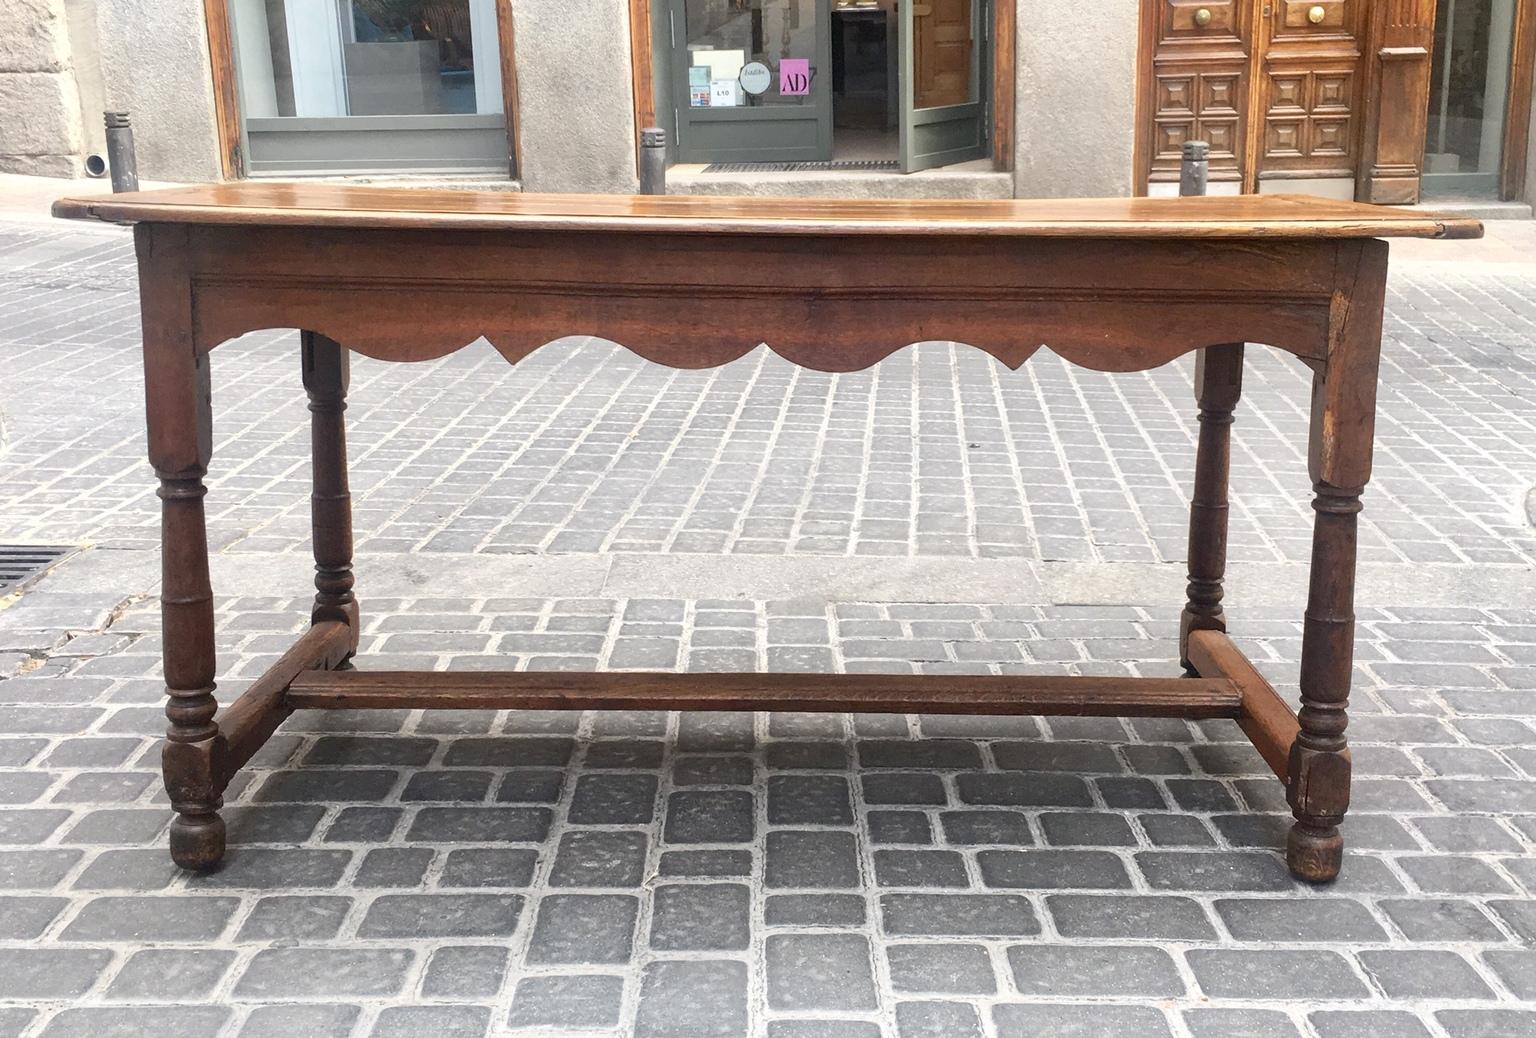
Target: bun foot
<point>1315,853</point>
<point>197,841</point>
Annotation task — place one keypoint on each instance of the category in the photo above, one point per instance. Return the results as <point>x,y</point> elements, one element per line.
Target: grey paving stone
<point>439,1021</point>
<point>830,910</point>
<point>1516,968</point>
<point>584,928</point>
<point>1023,790</point>
<point>122,825</point>
<point>986,827</point>
<point>295,918</point>
<point>530,786</point>
<point>809,800</point>
<point>1218,872</point>
<point>600,858</point>
<point>441,915</point>
<point>841,1028</point>
<point>898,827</point>
<point>367,825</point>
<point>937,1020</point>
<point>501,752</point>
<point>1368,1024</point>
<point>701,917</point>
<point>1086,829</point>
<point>1267,920</point>
<point>152,919</point>
<point>488,867</point>
<point>1046,969</point>
<point>1487,1023</point>
<point>958,915</point>
<point>1250,1023</point>
<point>810,858</point>
<point>480,825</point>
<point>171,974</point>
<point>1264,975</point>
<point>952,969</point>
<point>706,863</point>
<point>1440,920</point>
<point>713,771</point>
<point>574,1001</point>
<point>35,974</point>
<point>1164,918</point>
<point>906,868</point>
<point>1068,1020</point>
<point>1037,869</point>
<point>946,754</point>
<point>15,1020</point>
<point>29,825</point>
<point>702,998</point>
<point>819,971</point>
<point>1421,973</point>
<point>470,972</point>
<point>125,1021</point>
<point>1453,875</point>
<point>23,918</point>
<point>709,816</point>
<point>394,867</point>
<point>287,1021</point>
<point>903,788</point>
<point>275,974</point>
<point>614,800</point>
<point>1519,916</point>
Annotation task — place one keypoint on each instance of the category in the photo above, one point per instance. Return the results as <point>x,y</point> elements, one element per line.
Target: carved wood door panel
<point>1309,71</point>
<point>1275,87</point>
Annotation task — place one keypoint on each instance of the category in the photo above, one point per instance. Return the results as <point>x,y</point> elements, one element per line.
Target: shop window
<point>329,86</point>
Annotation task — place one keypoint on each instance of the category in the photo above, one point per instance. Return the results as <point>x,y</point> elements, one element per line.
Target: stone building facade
<point>1036,100</point>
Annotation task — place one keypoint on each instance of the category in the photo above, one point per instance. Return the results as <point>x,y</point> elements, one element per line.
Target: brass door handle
<point>1203,17</point>
<point>1316,14</point>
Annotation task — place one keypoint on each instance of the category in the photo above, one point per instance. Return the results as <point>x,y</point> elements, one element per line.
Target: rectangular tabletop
<point>264,203</point>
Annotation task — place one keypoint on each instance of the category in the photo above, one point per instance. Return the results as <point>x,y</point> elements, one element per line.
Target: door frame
<point>229,121</point>
<point>1002,39</point>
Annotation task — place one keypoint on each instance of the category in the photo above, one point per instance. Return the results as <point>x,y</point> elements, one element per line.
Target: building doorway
<point>899,82</point>
<point>1275,87</point>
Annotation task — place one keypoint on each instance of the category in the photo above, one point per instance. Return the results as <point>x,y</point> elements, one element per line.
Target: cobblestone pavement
<point>779,876</point>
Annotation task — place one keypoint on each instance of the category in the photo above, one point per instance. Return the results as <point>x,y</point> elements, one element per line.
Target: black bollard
<point>120,157</point>
<point>1195,170</point>
<point>653,161</point>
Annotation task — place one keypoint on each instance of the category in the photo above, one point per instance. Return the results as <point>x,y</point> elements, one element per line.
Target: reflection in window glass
<point>329,58</point>
<point>726,35</point>
<point>1469,87</point>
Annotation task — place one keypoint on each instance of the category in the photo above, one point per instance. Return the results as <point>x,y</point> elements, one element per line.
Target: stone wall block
<point>39,115</point>
<point>34,37</point>
<point>576,92</point>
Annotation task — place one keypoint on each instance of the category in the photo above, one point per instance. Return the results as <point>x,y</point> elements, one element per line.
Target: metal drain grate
<point>835,166</point>
<point>21,562</point>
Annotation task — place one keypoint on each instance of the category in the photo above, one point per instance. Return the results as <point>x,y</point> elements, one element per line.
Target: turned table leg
<point>1218,385</point>
<point>326,377</point>
<point>180,431</point>
<point>1339,462</point>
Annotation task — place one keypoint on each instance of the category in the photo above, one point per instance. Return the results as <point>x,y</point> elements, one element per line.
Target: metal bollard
<point>1195,171</point>
<point>120,157</point>
<point>653,161</point>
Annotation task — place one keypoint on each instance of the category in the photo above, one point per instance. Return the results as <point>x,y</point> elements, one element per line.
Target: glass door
<point>1468,98</point>
<point>752,80</point>
<point>943,118</point>
<point>332,86</point>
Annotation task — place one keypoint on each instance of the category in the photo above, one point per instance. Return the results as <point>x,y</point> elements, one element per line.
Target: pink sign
<point>794,77</point>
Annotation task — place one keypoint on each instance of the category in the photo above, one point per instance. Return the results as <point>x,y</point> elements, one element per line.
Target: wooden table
<point>1112,285</point>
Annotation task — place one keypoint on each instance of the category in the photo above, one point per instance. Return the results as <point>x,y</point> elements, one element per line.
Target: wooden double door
<point>1277,87</point>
